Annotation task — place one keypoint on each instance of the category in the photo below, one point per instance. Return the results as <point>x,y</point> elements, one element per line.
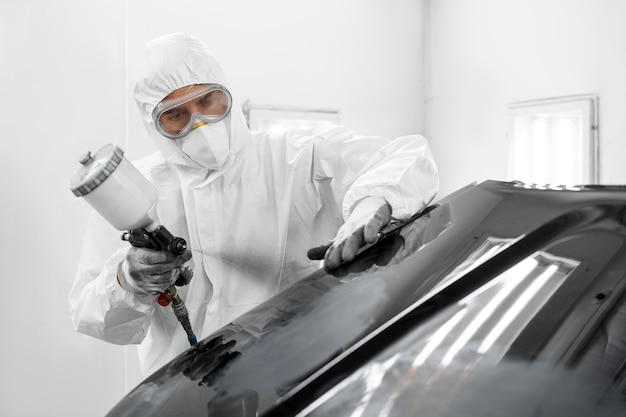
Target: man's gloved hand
<point>368,216</point>
<point>146,271</point>
<point>381,255</point>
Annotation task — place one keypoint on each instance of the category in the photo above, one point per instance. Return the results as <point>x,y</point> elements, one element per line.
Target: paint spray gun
<point>125,198</point>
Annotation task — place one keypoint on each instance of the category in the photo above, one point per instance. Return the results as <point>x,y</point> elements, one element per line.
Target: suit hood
<point>173,61</point>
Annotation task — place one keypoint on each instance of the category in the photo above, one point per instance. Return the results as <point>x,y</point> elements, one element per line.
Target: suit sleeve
<point>403,170</point>
<point>99,307</point>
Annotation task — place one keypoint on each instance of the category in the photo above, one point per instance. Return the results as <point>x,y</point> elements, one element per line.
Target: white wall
<point>64,80</point>
<point>483,54</point>
<point>62,84</point>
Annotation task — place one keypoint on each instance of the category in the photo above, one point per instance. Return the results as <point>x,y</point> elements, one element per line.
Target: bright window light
<point>554,141</point>
<point>278,119</point>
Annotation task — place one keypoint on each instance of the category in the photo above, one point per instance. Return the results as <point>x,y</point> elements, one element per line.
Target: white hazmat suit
<point>249,218</point>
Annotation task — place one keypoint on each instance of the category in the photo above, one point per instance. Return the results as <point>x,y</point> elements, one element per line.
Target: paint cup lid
<point>95,169</point>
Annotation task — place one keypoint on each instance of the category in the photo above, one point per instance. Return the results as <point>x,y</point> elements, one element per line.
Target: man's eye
<point>208,98</point>
<point>174,114</point>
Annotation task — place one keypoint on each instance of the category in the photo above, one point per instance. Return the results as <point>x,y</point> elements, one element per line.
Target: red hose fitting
<point>164,299</point>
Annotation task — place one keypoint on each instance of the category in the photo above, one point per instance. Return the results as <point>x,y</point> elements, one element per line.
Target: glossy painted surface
<point>557,250</point>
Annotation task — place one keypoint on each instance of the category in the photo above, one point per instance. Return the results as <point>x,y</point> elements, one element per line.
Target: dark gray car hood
<point>285,354</point>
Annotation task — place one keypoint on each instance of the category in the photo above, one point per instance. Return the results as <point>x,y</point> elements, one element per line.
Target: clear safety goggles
<point>193,107</point>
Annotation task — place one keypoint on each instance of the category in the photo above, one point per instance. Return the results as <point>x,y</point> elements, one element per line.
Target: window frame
<point>586,103</point>
<point>268,117</point>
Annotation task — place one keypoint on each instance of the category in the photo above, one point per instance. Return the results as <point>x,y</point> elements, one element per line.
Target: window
<point>278,119</point>
<point>554,141</point>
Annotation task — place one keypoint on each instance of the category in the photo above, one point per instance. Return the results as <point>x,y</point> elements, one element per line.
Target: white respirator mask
<point>207,145</point>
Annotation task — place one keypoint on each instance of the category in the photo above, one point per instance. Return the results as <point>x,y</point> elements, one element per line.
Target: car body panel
<point>560,251</point>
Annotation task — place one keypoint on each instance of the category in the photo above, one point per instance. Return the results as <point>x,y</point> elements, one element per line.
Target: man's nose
<point>198,124</point>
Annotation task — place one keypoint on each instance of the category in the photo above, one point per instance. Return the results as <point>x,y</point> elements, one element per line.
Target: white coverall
<point>249,223</point>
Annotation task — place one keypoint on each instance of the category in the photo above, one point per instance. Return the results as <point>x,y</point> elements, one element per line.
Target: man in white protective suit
<point>249,204</point>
